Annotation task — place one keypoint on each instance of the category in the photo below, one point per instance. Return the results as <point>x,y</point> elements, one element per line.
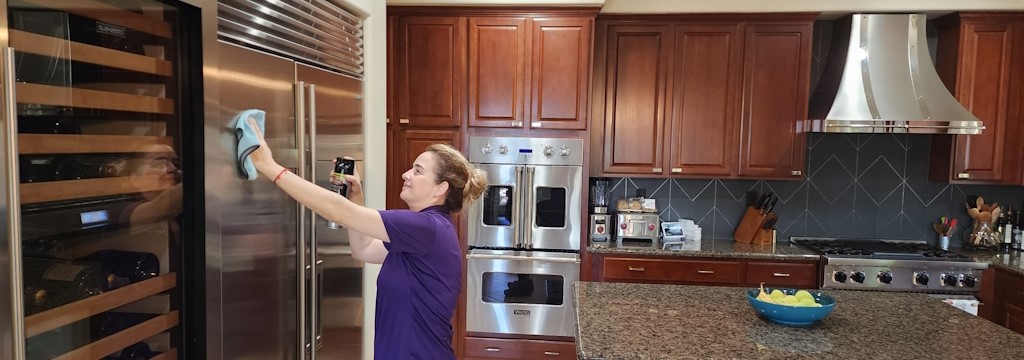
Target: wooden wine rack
<point>34,144</point>
<point>123,339</point>
<point>33,193</point>
<point>44,45</point>
<point>94,305</point>
<point>170,354</point>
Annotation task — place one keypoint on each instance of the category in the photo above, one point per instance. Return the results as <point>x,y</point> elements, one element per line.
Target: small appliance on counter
<point>637,221</point>
<point>600,219</point>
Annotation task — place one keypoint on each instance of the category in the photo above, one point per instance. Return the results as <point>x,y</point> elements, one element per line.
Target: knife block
<point>751,228</point>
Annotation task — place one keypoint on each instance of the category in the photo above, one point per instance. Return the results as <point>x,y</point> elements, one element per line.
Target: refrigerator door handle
<point>300,246</point>
<point>314,294</point>
<point>10,123</point>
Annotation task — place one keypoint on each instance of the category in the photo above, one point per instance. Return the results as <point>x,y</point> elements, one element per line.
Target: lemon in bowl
<point>790,307</point>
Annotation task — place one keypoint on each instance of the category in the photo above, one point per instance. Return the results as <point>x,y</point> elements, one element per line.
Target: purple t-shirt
<point>418,285</point>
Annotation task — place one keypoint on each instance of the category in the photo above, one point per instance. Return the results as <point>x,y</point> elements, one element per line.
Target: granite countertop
<point>1012,261</point>
<point>781,250</point>
<point>645,321</point>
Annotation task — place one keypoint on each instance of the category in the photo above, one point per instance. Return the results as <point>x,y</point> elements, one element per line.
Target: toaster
<point>638,226</point>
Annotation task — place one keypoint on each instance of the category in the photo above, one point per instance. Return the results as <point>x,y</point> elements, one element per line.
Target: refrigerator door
<point>334,114</point>
<point>252,232</point>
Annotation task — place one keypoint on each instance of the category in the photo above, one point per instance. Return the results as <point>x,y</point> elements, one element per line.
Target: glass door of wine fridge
<point>97,157</point>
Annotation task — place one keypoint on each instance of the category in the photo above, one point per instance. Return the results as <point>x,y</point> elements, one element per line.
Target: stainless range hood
<point>880,79</point>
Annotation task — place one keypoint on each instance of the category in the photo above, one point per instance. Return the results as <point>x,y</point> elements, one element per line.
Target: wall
<point>870,185</point>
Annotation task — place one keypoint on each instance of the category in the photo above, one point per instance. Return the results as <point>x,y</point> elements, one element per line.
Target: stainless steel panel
<point>525,151</point>
<point>251,225</point>
<point>527,319</point>
<point>481,234</point>
<point>337,302</point>
<point>569,178</point>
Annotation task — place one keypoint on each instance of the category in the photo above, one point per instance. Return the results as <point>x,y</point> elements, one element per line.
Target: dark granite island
<point>643,321</point>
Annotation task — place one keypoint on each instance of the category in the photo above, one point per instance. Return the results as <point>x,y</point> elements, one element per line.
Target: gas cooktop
<point>893,265</point>
<point>878,249</point>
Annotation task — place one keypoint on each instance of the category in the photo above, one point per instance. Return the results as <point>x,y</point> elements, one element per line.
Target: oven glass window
<point>550,207</point>
<point>498,206</point>
<point>511,288</point>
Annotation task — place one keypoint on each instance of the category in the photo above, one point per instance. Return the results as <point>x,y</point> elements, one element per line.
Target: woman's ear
<point>441,189</point>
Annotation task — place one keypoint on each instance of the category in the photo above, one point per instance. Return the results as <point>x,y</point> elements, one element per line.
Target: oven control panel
<point>905,276</point>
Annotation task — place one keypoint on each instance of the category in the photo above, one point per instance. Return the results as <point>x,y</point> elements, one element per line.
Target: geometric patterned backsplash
<point>857,185</point>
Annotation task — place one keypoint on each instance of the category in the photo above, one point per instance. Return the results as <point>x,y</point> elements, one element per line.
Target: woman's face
<point>161,161</point>
<point>419,186</point>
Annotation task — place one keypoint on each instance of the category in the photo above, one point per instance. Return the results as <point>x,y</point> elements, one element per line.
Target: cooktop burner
<point>878,249</point>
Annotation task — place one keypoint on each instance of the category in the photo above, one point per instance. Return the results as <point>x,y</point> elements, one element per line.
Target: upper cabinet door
<point>704,125</point>
<point>776,66</point>
<point>390,111</point>
<point>983,87</point>
<point>560,79</point>
<point>431,70</point>
<point>635,73</point>
<point>497,71</point>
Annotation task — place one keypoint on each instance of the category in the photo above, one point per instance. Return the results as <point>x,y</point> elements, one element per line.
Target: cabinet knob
<point>796,172</point>
<point>656,170</point>
<point>403,121</point>
<point>677,170</point>
<point>387,120</point>
<point>963,175</point>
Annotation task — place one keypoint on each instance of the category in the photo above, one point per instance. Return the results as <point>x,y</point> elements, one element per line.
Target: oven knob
<point>949,280</point>
<point>839,276</point>
<point>970,280</point>
<point>650,227</point>
<point>622,226</point>
<point>486,149</point>
<point>885,277</point>
<point>564,152</point>
<point>858,276</point>
<point>503,149</point>
<point>600,229</point>
<point>549,151</point>
<point>921,278</point>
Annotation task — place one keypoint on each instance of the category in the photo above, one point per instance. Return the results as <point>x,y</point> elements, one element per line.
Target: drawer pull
<point>640,268</point>
<point>780,274</point>
<point>552,353</point>
<point>656,170</point>
<point>403,121</point>
<point>492,349</point>
<point>705,271</point>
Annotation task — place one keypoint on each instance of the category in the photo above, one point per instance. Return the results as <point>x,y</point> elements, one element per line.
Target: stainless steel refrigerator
<point>280,284</point>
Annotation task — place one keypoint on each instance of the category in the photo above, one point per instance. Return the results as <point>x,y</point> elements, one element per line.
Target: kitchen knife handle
<point>13,206</point>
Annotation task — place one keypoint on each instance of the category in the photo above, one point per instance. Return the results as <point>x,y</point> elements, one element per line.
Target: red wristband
<point>280,174</point>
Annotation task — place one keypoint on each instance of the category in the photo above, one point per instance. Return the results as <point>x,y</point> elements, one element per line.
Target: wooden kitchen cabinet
<point>526,349</point>
<point>981,61</point>
<point>633,75</point>
<point>429,70</point>
<point>776,67</point>
<point>705,271</point>
<point>409,143</point>
<point>529,72</point>
<point>702,95</point>
<point>1008,304</point>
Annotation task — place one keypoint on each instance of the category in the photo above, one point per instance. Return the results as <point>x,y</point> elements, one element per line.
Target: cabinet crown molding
<point>553,11</point>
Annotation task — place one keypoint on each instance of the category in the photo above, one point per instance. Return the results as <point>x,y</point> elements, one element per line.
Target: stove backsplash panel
<point>857,185</point>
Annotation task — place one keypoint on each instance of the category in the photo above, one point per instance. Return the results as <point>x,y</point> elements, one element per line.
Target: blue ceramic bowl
<point>792,315</point>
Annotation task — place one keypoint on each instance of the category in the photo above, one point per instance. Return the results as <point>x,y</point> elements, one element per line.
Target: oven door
<point>495,219</point>
<point>521,292</point>
<point>553,215</point>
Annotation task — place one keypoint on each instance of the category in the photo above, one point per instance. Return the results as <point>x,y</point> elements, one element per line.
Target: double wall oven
<point>524,236</point>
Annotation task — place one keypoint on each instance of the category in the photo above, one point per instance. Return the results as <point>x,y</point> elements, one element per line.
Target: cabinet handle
<point>552,353</point>
<point>963,175</point>
<point>677,170</point>
<point>492,349</point>
<point>705,271</point>
<point>636,268</point>
<point>796,172</point>
<point>517,123</point>
<point>656,170</point>
<point>780,274</point>
<point>536,124</point>
<point>403,121</point>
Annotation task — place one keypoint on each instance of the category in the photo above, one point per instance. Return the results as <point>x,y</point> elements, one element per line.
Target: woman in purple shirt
<point>421,278</point>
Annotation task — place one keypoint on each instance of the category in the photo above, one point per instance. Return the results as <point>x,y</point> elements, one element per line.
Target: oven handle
<point>517,208</point>
<point>521,258</point>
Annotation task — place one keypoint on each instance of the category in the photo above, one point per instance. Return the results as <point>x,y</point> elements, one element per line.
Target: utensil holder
<point>751,226</point>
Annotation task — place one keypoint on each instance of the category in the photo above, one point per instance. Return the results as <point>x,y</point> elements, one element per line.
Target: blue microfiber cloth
<point>246,141</point>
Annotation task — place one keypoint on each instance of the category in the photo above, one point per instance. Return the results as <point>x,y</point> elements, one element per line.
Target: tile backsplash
<point>857,185</point>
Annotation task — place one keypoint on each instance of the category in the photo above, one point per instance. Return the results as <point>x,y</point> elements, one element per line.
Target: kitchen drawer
<point>1014,319</point>
<point>1012,287</point>
<point>681,271</point>
<point>490,348</point>
<point>800,275</point>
